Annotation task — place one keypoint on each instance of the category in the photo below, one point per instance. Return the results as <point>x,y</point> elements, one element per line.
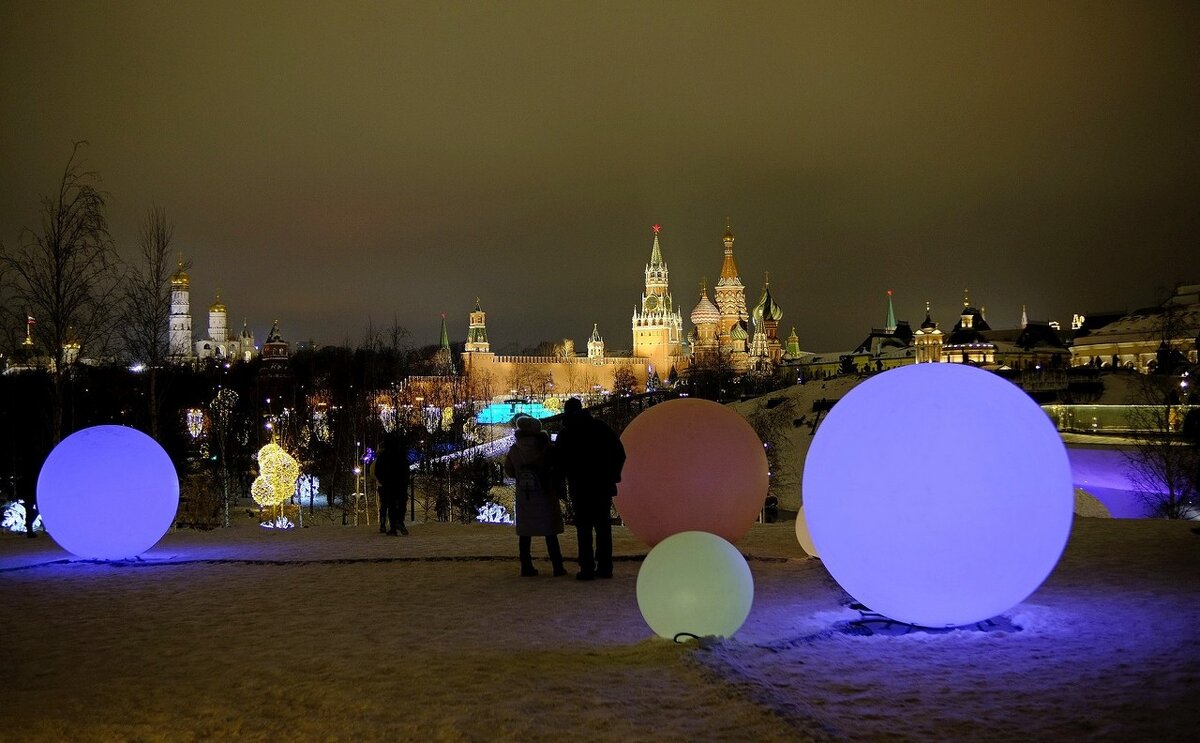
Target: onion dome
<point>217,306</point>
<point>739,332</point>
<point>179,279</point>
<point>705,313</point>
<point>766,307</point>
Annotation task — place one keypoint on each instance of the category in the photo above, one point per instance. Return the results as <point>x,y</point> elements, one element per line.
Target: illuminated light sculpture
<point>194,419</point>
<point>493,513</point>
<point>691,465</point>
<point>13,518</point>
<point>276,482</point>
<point>694,583</point>
<point>107,493</point>
<point>803,536</point>
<point>948,547</point>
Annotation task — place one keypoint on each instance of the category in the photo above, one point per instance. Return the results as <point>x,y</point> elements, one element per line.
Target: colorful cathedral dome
<point>739,331</point>
<point>766,307</point>
<point>706,312</point>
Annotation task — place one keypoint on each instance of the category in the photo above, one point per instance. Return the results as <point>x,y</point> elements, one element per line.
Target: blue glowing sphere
<point>107,493</point>
<point>938,494</point>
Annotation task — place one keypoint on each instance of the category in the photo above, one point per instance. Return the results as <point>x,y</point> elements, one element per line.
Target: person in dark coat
<point>591,456</point>
<point>391,472</point>
<point>538,511</point>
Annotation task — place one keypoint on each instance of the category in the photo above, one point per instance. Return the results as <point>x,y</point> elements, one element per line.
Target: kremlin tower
<point>657,326</point>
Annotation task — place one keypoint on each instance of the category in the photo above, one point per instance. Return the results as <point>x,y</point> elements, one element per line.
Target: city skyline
<point>346,163</point>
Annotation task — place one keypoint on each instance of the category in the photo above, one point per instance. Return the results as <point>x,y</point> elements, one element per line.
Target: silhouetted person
<point>391,472</point>
<point>591,456</point>
<point>538,511</point>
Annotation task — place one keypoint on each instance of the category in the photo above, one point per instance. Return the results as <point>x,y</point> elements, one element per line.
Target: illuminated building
<point>1144,338</point>
<point>218,345</point>
<point>179,324</point>
<point>733,332</point>
<point>657,328</point>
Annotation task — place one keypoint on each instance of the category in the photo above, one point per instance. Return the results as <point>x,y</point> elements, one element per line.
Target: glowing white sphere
<point>938,494</point>
<point>694,583</point>
<point>803,536</point>
<point>107,493</point>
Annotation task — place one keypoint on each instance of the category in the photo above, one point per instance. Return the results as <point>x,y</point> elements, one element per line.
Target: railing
<point>1120,418</point>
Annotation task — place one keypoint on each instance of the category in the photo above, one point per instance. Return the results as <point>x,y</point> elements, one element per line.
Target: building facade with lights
<point>1145,338</point>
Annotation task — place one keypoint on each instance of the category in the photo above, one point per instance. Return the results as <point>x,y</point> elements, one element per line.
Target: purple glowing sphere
<point>107,493</point>
<point>938,494</point>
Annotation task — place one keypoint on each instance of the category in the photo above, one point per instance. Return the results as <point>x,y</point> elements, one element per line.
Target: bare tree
<point>1162,464</point>
<point>67,274</point>
<point>624,382</point>
<point>146,303</point>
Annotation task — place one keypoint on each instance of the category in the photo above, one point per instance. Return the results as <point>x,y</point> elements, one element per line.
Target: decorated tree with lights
<point>276,482</point>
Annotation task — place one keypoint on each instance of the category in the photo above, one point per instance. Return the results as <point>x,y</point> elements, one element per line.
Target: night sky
<point>326,164</point>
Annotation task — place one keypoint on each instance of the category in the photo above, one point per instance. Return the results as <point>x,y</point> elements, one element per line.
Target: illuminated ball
<point>803,536</point>
<point>691,465</point>
<point>694,583</point>
<point>938,494</point>
<point>107,493</point>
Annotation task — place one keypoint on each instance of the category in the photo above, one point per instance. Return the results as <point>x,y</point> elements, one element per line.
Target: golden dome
<point>217,306</point>
<point>179,279</point>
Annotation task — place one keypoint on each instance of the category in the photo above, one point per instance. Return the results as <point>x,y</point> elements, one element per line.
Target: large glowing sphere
<point>691,465</point>
<point>938,494</point>
<point>107,493</point>
<point>694,583</point>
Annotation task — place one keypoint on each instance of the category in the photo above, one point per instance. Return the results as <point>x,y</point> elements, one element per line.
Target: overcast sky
<point>326,163</point>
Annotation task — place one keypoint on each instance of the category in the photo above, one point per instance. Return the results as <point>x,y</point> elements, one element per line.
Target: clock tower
<point>657,325</point>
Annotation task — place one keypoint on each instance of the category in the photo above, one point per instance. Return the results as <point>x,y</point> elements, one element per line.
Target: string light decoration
<point>194,419</point>
<point>321,425</point>
<point>276,482</point>
<point>387,416</point>
<point>493,513</point>
<point>14,517</point>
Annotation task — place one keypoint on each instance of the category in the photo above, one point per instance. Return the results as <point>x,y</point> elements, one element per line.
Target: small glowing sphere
<point>694,583</point>
<point>803,536</point>
<point>938,494</point>
<point>691,465</point>
<point>107,493</point>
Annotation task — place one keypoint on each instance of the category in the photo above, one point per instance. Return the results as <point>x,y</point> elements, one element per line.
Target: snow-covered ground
<point>340,633</point>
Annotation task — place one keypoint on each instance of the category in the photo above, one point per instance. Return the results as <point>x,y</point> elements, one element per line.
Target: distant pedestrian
<point>538,511</point>
<point>591,456</point>
<point>391,472</point>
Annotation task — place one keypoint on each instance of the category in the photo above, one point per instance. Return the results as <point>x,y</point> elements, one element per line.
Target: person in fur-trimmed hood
<point>538,511</point>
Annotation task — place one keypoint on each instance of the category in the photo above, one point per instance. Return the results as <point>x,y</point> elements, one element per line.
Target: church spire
<point>1024,317</point>
<point>444,341</point>
<point>889,324</point>
<point>729,271</point>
